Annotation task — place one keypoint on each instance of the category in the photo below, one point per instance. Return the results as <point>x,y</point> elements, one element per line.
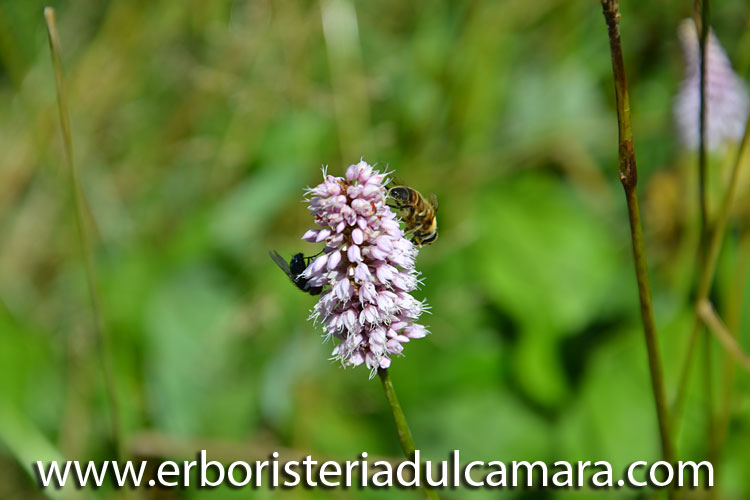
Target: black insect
<point>294,270</point>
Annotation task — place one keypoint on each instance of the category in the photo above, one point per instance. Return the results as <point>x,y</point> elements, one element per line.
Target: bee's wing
<point>395,181</point>
<point>279,260</point>
<point>432,198</point>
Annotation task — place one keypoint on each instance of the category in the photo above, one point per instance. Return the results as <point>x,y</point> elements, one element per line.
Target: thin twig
<point>629,180</point>
<point>404,433</point>
<point>714,323</point>
<point>83,234</point>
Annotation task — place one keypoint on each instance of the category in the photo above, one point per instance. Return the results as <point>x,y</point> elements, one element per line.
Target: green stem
<point>402,428</point>
<point>83,234</point>
<point>629,178</point>
<point>649,327</point>
<point>703,197</point>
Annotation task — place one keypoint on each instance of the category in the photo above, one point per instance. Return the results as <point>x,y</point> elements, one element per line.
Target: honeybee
<point>419,214</point>
<point>294,270</point>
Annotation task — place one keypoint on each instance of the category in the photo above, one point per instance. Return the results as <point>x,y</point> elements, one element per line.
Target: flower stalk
<point>402,427</point>
<point>629,179</point>
<point>703,200</point>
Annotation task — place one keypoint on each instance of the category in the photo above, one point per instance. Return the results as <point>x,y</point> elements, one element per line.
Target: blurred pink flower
<point>727,96</point>
<point>368,267</point>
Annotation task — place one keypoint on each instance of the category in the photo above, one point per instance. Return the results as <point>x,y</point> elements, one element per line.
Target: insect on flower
<point>367,266</point>
<point>294,269</point>
<point>419,214</point>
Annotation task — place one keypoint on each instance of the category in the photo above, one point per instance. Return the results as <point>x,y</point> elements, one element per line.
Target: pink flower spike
<point>366,304</point>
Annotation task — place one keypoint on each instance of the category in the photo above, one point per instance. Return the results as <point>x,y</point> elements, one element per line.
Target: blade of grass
<point>83,234</point>
<point>629,179</point>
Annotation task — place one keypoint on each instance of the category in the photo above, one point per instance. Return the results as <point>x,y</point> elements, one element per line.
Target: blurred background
<point>196,125</point>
